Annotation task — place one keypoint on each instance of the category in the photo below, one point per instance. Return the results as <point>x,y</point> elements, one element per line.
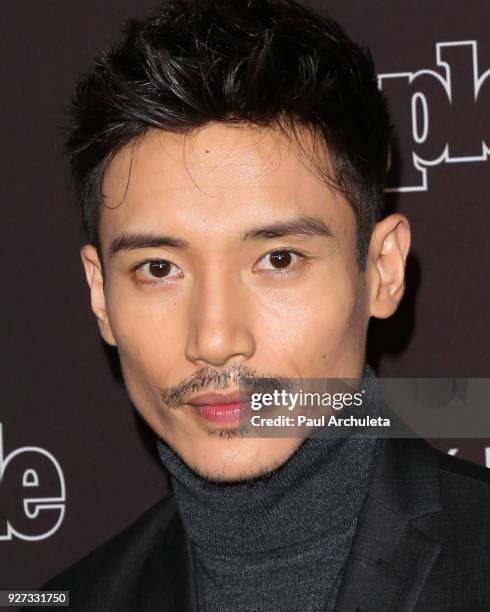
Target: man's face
<point>224,253</point>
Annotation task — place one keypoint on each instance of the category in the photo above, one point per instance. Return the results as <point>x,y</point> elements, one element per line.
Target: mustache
<point>248,380</point>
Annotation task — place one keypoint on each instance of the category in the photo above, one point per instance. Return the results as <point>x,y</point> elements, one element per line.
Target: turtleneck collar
<point>318,492</point>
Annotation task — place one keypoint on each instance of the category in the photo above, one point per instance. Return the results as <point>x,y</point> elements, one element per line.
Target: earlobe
<point>95,280</point>
<point>388,250</point>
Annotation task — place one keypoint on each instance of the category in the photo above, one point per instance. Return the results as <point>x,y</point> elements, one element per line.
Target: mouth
<point>221,408</point>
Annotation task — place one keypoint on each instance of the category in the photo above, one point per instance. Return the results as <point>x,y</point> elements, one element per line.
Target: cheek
<point>318,327</point>
<point>147,336</point>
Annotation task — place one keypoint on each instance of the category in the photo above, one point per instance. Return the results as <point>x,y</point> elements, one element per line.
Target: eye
<point>280,261</point>
<point>155,270</point>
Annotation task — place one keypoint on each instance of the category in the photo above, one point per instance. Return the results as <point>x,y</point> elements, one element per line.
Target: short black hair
<point>262,62</point>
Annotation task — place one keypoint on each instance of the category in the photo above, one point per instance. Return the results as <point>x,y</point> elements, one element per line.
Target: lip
<point>221,407</point>
<point>215,399</point>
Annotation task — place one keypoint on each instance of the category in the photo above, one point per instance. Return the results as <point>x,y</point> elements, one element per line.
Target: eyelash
<point>270,272</point>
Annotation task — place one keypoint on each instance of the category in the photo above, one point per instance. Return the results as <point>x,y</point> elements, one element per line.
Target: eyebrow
<point>301,226</point>
<point>129,242</point>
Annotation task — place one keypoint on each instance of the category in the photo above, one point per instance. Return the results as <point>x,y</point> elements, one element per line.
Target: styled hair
<point>261,62</point>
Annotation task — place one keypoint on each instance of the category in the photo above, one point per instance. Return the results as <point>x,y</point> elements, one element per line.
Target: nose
<point>220,322</point>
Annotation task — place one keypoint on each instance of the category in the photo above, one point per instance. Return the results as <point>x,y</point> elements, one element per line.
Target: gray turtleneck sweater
<point>278,542</point>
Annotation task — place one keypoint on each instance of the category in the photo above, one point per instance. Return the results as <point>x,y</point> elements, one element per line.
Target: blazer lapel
<point>395,545</point>
<point>168,577</point>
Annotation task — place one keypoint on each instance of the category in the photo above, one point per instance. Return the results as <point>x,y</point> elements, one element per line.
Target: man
<point>230,158</point>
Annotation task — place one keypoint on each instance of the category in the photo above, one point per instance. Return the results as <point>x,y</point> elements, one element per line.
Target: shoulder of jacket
<point>122,551</point>
<point>464,475</point>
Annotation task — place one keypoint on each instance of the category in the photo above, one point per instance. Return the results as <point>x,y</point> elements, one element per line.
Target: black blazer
<point>422,543</point>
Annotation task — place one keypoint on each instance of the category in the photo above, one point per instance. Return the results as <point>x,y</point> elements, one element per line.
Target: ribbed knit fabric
<point>278,542</point>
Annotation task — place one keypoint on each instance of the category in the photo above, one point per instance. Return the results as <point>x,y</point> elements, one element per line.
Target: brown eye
<point>280,259</point>
<point>159,269</point>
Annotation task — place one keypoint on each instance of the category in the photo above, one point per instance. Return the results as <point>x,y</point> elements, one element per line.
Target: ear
<point>388,250</point>
<point>95,280</point>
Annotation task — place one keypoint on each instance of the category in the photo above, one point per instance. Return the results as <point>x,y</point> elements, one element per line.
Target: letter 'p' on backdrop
<point>76,464</point>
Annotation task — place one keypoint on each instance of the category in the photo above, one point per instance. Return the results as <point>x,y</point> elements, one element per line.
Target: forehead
<point>217,180</point>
